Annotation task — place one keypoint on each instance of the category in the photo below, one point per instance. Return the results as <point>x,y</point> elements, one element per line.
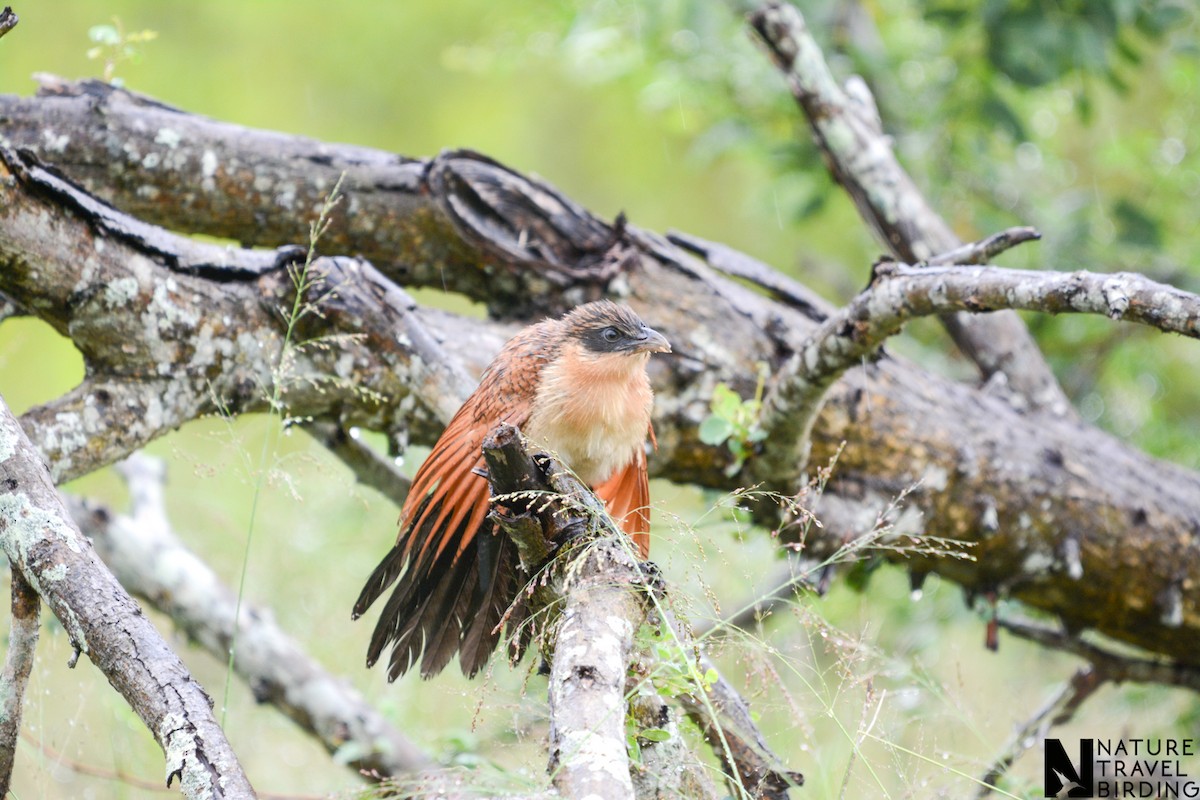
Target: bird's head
<point>604,329</point>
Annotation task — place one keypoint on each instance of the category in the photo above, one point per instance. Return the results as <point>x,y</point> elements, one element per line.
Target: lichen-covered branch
<point>172,329</point>
<point>848,132</point>
<point>601,595</point>
<point>103,622</point>
<point>18,663</point>
<point>1061,515</point>
<point>594,634</point>
<point>899,293</point>
<point>150,562</point>
<point>593,649</point>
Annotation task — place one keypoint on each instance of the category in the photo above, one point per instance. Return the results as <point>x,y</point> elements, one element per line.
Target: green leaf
<point>725,401</point>
<point>715,430</point>
<point>655,735</point>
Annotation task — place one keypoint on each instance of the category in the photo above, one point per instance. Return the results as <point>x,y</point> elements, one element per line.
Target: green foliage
<point>114,46</point>
<point>734,422</point>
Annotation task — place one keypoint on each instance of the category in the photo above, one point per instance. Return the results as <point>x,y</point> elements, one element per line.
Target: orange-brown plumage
<point>575,386</point>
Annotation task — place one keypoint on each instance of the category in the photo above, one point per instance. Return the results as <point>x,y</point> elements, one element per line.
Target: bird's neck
<point>592,410</point>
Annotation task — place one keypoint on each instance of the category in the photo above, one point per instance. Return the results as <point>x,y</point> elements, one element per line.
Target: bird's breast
<point>592,412</point>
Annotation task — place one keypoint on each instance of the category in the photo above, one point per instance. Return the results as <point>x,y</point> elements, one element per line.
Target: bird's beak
<point>651,341</point>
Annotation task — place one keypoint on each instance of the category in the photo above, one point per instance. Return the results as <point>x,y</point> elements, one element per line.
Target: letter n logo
<point>1062,778</point>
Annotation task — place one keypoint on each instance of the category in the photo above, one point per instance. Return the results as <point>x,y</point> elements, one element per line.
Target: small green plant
<point>114,45</point>
<point>734,422</point>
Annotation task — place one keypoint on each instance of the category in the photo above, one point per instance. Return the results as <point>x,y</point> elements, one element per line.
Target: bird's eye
<point>610,334</point>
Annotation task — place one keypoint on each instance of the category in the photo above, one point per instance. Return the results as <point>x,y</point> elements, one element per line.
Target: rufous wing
<point>453,578</point>
<point>627,495</point>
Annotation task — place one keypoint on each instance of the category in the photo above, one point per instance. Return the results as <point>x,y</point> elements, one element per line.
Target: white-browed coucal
<point>577,387</point>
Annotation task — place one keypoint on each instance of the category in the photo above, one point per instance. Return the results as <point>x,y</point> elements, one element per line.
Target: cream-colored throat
<point>592,410</point>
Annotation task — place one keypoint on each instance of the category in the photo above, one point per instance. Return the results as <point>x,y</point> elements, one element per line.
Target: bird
<point>577,387</point>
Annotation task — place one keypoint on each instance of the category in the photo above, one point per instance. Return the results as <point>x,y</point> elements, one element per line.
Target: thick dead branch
<point>848,132</point>
<point>388,198</point>
<point>172,329</point>
<point>1029,493</point>
<point>42,541</point>
<point>143,552</point>
<point>899,293</point>
<point>18,663</point>
<point>587,679</point>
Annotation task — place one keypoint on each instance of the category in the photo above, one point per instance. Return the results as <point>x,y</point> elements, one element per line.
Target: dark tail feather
<point>441,605</point>
<point>383,576</point>
<point>494,592</point>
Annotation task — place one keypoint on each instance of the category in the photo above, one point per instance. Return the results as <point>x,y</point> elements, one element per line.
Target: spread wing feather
<point>453,582</point>
<point>440,604</point>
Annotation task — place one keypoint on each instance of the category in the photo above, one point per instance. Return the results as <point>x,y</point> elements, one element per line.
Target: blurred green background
<point>1079,119</point>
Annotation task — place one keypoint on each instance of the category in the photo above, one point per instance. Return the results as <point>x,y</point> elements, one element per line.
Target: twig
<point>862,161</point>
<point>141,784</point>
<point>18,663</point>
<point>8,20</point>
<point>103,622</point>
<point>724,258</point>
<point>148,559</point>
<point>985,250</point>
<point>899,293</point>
<point>1057,710</point>
<point>1109,665</point>
<point>369,467</point>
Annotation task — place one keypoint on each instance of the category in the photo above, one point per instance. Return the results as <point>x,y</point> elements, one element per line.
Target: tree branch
<point>161,343</point>
<point>369,467</point>
<point>899,293</point>
<point>1028,492</point>
<point>152,563</point>
<point>8,20</point>
<point>18,663</point>
<point>42,541</point>
<point>606,596</point>
<point>848,132</point>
